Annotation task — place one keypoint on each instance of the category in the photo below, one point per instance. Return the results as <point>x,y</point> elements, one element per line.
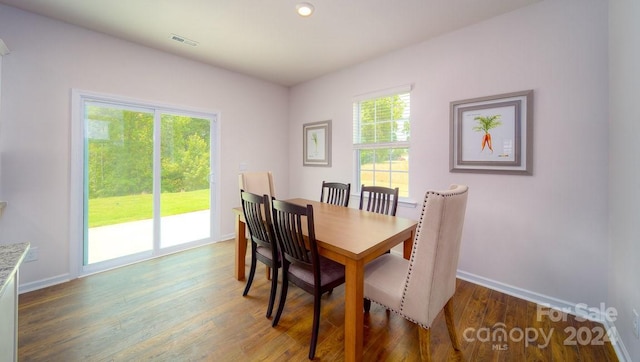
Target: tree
<point>120,152</point>
<point>185,153</point>
<point>120,157</point>
<point>381,121</point>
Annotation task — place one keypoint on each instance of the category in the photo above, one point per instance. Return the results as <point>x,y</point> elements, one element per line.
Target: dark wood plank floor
<point>189,307</point>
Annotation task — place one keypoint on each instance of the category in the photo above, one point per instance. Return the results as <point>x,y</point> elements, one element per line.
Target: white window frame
<point>372,146</point>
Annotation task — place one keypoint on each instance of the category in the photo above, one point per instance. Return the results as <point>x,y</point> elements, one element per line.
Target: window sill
<point>402,201</point>
<point>407,203</point>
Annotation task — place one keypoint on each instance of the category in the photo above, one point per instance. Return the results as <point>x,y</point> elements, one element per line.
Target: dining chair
<point>336,193</point>
<point>419,288</point>
<point>301,263</point>
<point>259,183</point>
<point>383,200</point>
<point>257,216</point>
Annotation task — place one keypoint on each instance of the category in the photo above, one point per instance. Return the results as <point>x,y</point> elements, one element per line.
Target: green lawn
<point>119,209</point>
<point>400,175</point>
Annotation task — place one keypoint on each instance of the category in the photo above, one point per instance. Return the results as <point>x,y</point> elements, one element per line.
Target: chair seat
<point>330,273</point>
<point>264,251</point>
<point>384,280</point>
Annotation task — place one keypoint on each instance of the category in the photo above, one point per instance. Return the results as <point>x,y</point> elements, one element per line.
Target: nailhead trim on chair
<point>413,255</point>
<point>400,314</point>
<point>412,259</point>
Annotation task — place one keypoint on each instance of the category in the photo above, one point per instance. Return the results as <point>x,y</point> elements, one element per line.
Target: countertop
<point>11,256</point>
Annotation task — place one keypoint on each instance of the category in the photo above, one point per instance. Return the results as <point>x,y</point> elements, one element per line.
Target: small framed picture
<point>316,144</point>
<point>492,134</point>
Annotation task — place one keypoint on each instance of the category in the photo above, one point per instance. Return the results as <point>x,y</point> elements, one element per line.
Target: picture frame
<point>492,134</point>
<point>316,138</point>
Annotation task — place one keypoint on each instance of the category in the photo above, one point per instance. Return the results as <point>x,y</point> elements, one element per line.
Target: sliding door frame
<point>77,179</point>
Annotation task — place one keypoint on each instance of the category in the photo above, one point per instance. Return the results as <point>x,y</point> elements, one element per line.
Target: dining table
<point>351,237</point>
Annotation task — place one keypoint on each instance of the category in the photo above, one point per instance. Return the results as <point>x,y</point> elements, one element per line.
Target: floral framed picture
<point>316,139</point>
<point>492,134</point>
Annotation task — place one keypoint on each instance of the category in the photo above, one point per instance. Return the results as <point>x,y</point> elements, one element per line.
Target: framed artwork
<point>316,138</point>
<point>492,134</point>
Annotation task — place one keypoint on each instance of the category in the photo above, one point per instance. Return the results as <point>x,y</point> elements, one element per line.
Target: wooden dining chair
<point>383,200</point>
<point>259,183</point>
<point>336,193</point>
<point>419,288</point>
<point>257,215</point>
<point>301,263</point>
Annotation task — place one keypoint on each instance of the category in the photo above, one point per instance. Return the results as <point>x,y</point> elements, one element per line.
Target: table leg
<point>407,246</point>
<point>241,248</point>
<point>353,311</point>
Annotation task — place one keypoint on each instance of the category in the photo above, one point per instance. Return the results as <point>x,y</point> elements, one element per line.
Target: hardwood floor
<point>189,307</point>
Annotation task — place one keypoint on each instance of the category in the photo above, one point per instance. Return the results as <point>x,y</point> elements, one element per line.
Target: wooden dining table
<point>351,237</point>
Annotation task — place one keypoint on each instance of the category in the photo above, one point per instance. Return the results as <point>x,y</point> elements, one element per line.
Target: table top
<point>354,233</point>
<point>11,257</point>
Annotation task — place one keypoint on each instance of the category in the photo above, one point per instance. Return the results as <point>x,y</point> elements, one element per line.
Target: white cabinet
<point>11,256</point>
<point>9,320</point>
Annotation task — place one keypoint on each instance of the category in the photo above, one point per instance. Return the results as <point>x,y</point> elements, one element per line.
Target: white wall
<point>624,65</point>
<point>48,58</point>
<point>545,233</point>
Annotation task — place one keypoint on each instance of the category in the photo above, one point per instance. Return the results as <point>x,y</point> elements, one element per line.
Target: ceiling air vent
<point>184,40</point>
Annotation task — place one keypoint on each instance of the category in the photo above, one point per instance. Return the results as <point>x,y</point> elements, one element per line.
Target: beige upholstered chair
<point>260,183</point>
<point>419,288</point>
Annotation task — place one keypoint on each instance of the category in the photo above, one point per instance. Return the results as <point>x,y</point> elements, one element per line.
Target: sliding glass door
<point>185,181</point>
<point>147,182</point>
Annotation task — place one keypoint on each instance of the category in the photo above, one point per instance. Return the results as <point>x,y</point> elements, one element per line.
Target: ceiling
<point>266,38</point>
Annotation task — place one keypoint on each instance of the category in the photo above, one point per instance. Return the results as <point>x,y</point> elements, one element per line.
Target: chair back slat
<point>257,217</point>
<point>290,223</point>
<point>381,200</point>
<point>336,193</point>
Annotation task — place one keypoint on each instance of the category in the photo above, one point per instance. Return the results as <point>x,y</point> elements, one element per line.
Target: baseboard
<point>576,309</point>
<point>43,283</point>
<point>618,345</point>
<point>227,237</point>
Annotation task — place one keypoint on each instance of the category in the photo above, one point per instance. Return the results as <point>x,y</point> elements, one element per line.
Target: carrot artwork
<point>484,125</point>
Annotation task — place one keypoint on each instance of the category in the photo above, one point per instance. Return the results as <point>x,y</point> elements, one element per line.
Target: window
<point>381,129</point>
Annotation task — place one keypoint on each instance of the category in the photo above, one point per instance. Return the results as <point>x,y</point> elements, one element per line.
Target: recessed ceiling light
<point>304,9</point>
